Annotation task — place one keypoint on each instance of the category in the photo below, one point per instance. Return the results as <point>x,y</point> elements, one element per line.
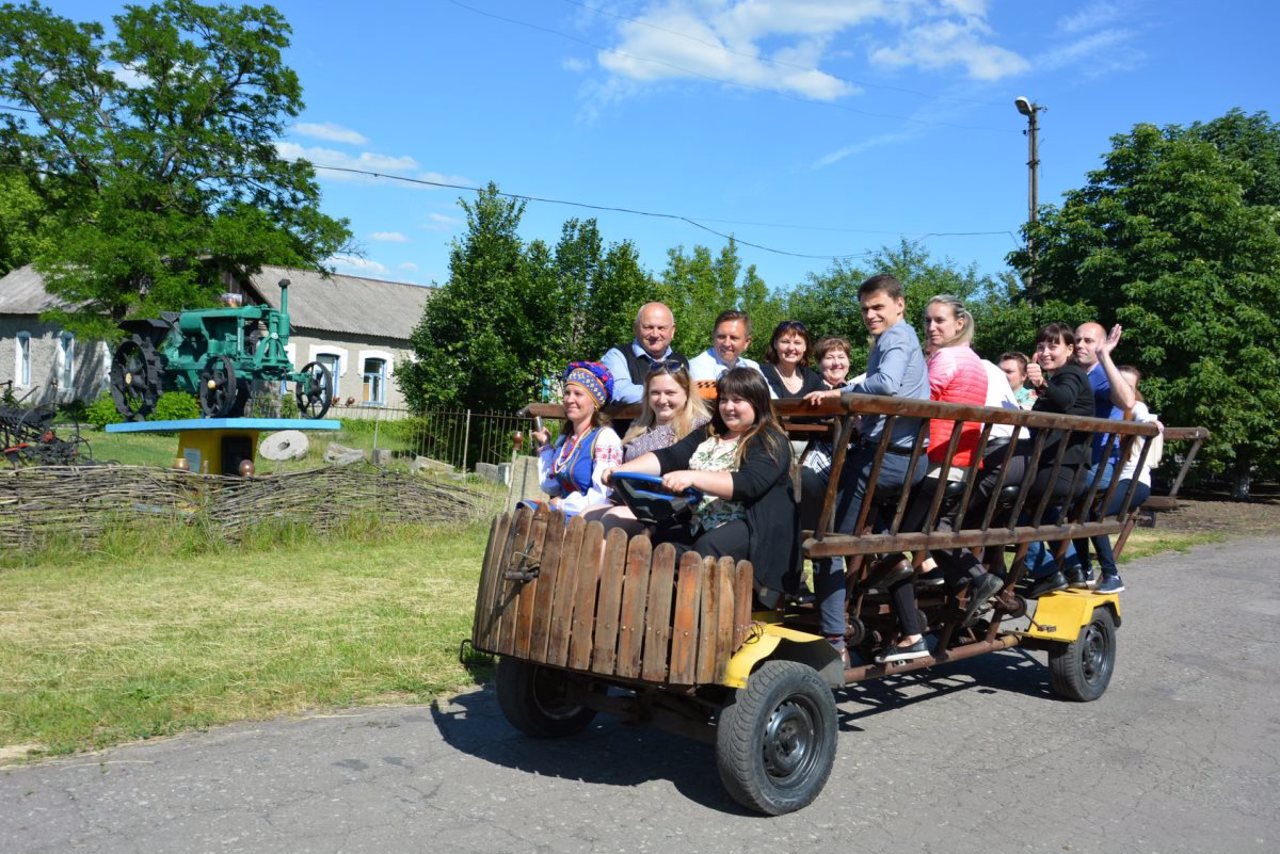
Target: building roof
<point>22,292</point>
<point>336,304</point>
<point>345,303</point>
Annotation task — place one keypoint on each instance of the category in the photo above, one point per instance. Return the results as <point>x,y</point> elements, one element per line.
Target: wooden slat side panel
<point>657,614</point>
<point>561,616</point>
<point>684,629</point>
<point>604,653</point>
<point>635,587</point>
<point>547,576</point>
<point>743,592</point>
<point>708,632</point>
<point>723,622</point>
<point>517,544</point>
<point>538,536</point>
<point>487,613</point>
<point>484,591</point>
<point>584,597</point>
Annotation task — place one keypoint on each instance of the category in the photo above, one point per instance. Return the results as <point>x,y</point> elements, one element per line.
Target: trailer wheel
<point>776,738</point>
<point>534,700</point>
<point>1081,670</point>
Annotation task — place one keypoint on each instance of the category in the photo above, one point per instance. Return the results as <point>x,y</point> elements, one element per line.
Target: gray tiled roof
<point>348,304</point>
<point>22,292</point>
<point>345,303</point>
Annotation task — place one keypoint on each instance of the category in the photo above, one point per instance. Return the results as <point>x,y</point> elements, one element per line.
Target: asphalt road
<point>1182,754</point>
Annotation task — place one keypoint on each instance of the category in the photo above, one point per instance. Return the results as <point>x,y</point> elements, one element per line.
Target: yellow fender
<point>1060,616</point>
<point>776,641</point>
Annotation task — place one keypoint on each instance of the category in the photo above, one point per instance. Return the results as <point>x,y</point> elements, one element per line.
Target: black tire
<point>776,738</point>
<point>218,387</point>
<point>313,390</point>
<point>1081,670</point>
<point>533,700</point>
<point>135,378</point>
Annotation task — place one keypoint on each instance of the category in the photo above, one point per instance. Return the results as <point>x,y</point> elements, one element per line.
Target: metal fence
<point>461,438</point>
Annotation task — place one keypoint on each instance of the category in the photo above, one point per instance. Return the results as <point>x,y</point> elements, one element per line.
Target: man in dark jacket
<point>629,364</point>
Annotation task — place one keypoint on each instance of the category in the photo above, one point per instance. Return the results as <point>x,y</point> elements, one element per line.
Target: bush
<point>175,406</point>
<point>102,412</point>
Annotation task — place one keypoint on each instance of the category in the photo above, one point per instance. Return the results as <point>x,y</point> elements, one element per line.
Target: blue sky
<point>812,128</point>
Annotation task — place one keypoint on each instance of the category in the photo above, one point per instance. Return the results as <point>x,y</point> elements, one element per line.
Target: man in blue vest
<point>629,364</point>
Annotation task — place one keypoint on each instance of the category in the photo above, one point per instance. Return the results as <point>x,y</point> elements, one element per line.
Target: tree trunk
<point>1240,483</point>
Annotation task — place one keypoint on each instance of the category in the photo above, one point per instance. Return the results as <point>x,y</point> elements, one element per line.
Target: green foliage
<point>1176,237</point>
<point>154,183</point>
<point>102,412</point>
<point>699,286</point>
<point>175,406</point>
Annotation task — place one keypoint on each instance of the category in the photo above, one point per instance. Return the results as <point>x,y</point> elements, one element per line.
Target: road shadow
<point>607,753</point>
<point>615,754</point>
<point>1013,670</point>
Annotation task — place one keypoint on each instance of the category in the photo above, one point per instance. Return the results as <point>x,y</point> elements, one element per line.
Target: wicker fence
<point>38,503</point>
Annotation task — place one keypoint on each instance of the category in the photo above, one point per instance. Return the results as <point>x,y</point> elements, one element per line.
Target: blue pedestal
<point>221,445</point>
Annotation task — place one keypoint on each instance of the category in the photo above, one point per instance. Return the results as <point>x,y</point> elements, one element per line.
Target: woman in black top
<point>786,362</point>
<point>742,465</point>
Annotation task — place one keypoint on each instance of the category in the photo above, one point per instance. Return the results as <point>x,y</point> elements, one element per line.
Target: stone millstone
<point>285,445</point>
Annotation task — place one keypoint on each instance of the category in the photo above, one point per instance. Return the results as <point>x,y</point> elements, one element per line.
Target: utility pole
<point>1031,110</point>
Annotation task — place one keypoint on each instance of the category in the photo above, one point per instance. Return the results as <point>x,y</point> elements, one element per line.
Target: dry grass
<point>130,642</point>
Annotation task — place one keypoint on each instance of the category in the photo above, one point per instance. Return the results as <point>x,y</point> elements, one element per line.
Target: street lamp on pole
<point>1031,109</point>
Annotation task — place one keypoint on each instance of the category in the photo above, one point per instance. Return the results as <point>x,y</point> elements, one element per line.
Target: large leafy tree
<point>488,338</point>
<point>1177,236</point>
<point>154,153</point>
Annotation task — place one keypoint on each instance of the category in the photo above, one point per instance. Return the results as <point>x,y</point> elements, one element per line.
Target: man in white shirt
<point>729,340</point>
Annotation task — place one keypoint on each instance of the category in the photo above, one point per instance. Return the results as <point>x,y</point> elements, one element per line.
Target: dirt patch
<point>1231,518</point>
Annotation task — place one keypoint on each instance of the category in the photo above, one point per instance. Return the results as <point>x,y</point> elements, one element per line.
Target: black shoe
<point>910,652</point>
<point>1048,584</point>
<point>981,589</point>
<point>932,579</point>
<point>884,574</point>
<point>1078,578</point>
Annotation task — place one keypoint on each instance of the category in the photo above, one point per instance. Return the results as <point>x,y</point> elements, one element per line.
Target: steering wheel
<point>651,502</point>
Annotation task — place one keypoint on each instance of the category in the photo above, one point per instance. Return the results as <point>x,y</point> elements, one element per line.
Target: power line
<point>721,80</point>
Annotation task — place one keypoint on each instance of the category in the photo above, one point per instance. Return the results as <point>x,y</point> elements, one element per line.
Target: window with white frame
<point>67,361</point>
<point>22,359</point>
<point>333,358</point>
<point>375,380</point>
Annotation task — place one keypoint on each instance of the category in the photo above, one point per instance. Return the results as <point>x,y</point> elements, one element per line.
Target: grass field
<point>139,639</point>
<point>157,632</point>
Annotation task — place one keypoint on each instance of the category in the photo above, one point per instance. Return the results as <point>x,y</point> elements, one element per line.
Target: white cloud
<point>943,44</point>
<point>1092,17</point>
<point>577,66</point>
<point>331,132</point>
<point>365,161</point>
<point>781,45</point>
<point>859,147</point>
<point>1099,53</point>
<point>388,237</point>
<point>408,267</point>
<point>440,178</point>
<point>440,222</point>
<point>358,266</point>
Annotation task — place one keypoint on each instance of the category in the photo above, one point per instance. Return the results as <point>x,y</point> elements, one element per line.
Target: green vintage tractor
<point>217,354</point>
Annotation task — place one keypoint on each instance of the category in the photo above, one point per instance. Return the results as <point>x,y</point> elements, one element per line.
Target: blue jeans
<point>1102,543</point>
<point>1040,557</point>
<point>828,573</point>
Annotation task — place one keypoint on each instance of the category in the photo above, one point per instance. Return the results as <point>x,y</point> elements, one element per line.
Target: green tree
<point>484,341</point>
<point>699,286</point>
<point>622,287</point>
<point>1176,237</point>
<point>154,152</point>
<point>22,221</point>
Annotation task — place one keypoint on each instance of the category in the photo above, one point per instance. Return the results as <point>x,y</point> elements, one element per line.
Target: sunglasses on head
<point>670,365</point>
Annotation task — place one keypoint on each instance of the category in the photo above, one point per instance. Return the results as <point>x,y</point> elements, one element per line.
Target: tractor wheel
<point>534,700</point>
<point>776,739</point>
<point>218,388</point>
<point>313,390</point>
<point>1081,670</point>
<point>135,378</point>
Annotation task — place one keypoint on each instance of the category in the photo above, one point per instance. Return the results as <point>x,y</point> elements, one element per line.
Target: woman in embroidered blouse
<point>572,468</point>
<point>742,465</point>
